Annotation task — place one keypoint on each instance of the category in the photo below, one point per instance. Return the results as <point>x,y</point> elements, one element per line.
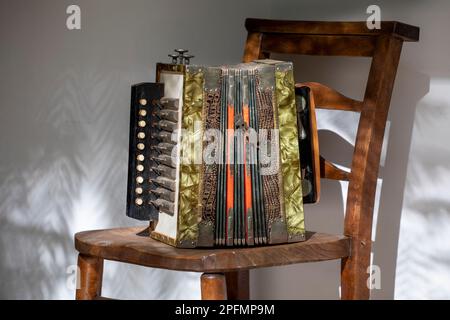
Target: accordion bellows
<point>235,177</point>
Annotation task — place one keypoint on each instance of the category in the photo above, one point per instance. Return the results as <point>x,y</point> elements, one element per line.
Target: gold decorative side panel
<point>191,158</point>
<point>289,151</point>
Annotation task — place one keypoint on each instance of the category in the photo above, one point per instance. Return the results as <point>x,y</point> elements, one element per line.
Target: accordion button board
<point>139,196</point>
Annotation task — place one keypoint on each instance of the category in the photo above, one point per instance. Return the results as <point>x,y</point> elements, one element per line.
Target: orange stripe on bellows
<point>230,180</point>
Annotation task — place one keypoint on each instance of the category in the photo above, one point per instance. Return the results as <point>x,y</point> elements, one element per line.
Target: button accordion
<point>222,156</point>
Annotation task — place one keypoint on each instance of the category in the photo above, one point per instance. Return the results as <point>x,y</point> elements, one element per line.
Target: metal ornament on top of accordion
<point>241,200</point>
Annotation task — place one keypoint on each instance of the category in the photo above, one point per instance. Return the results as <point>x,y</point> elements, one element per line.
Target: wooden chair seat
<point>133,245</point>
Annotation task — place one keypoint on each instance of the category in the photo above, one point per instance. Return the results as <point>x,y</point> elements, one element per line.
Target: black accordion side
<point>144,96</point>
<point>307,135</point>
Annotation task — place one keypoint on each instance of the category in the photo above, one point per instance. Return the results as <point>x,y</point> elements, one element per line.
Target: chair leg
<point>238,286</point>
<point>91,274</point>
<point>354,278</point>
<point>213,286</point>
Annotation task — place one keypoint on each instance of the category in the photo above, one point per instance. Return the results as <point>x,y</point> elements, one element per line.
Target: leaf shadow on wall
<point>65,173</point>
<point>37,195</point>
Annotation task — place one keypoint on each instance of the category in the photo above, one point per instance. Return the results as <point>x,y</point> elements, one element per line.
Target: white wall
<point>64,99</point>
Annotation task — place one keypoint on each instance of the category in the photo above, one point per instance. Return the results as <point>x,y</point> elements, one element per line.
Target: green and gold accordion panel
<point>223,160</point>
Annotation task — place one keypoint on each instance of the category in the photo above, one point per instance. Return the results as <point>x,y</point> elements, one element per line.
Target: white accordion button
<point>142,124</point>
<point>141,135</point>
<point>139,179</point>
<point>140,157</point>
<point>143,102</point>
<point>139,201</point>
<point>142,113</point>
<point>140,168</point>
<point>139,190</point>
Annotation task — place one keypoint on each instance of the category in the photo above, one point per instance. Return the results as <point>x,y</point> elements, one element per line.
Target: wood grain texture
<point>253,47</point>
<point>213,286</point>
<point>328,98</point>
<point>91,274</point>
<point>238,285</point>
<point>396,29</point>
<point>365,165</point>
<point>318,45</point>
<point>329,171</point>
<point>131,245</point>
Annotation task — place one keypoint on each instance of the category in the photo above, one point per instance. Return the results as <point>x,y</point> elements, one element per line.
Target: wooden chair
<point>225,271</point>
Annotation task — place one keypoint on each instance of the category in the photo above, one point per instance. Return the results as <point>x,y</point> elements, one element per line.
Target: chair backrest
<point>345,39</point>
